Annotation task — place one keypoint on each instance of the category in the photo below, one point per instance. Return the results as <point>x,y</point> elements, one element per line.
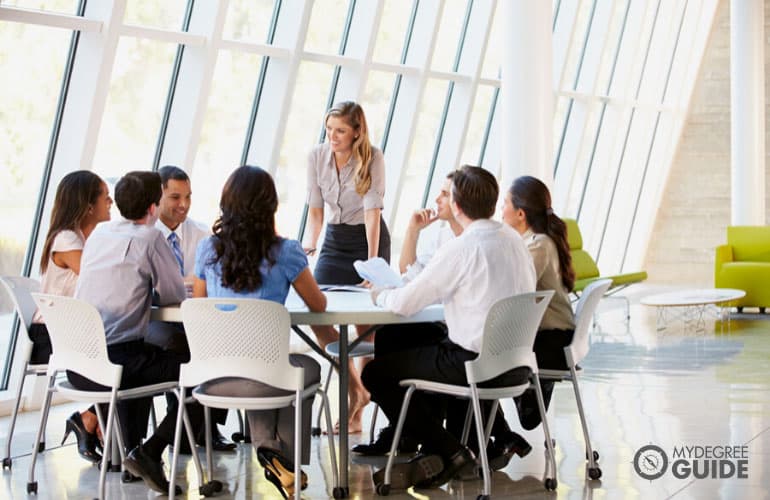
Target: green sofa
<point>586,270</point>
<point>744,263</point>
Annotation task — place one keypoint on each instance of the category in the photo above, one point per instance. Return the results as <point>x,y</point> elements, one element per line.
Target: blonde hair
<point>353,114</point>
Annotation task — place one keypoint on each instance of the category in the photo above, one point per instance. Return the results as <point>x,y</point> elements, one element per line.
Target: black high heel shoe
<point>279,471</point>
<point>86,440</point>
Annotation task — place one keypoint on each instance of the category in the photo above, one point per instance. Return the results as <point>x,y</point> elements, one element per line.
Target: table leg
<point>343,396</point>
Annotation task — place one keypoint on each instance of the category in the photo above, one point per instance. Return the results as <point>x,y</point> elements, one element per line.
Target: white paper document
<point>377,272</point>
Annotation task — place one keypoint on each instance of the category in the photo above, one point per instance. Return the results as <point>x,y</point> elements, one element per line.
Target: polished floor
<point>688,386</point>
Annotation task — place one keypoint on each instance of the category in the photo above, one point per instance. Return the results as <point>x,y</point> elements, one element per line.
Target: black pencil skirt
<point>343,245</point>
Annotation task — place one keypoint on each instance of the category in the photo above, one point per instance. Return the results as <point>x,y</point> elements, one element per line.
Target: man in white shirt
<point>488,262</point>
<point>183,235</point>
<point>124,262</point>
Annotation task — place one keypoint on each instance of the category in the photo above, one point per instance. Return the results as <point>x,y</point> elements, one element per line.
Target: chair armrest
<point>724,253</point>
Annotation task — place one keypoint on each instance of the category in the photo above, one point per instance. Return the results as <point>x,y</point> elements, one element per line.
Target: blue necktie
<point>173,239</point>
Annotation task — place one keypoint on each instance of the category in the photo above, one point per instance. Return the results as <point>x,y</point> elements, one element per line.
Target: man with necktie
<point>183,235</point>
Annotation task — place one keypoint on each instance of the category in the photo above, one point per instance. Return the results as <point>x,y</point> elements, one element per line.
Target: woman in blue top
<point>245,258</point>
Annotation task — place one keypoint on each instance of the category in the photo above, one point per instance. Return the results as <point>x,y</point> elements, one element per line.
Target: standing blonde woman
<point>346,177</point>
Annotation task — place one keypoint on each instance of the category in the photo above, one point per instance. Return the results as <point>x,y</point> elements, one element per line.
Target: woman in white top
<point>527,208</point>
<point>82,201</point>
<point>346,176</point>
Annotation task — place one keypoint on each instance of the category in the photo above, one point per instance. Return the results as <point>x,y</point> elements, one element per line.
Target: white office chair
<point>574,354</point>
<point>19,289</point>
<point>244,338</point>
<point>509,334</point>
<point>79,344</point>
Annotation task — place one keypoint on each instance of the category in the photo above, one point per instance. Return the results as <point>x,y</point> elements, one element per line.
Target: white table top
<point>342,308</point>
<point>693,297</point>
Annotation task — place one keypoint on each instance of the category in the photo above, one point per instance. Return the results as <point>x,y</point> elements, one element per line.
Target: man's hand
<point>421,219</point>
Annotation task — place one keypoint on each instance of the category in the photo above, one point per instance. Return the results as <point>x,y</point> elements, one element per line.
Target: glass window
<point>415,171</point>
<point>224,130</point>
<point>134,108</point>
<point>165,15</point>
<point>66,6</point>
<point>376,103</point>
<point>491,67</point>
<point>248,20</point>
<point>392,32</point>
<point>327,22</point>
<point>575,52</point>
<point>27,110</point>
<point>477,125</point>
<point>303,128</point>
<point>448,37</point>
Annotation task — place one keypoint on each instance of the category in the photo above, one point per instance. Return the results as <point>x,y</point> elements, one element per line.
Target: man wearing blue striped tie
<point>183,235</point>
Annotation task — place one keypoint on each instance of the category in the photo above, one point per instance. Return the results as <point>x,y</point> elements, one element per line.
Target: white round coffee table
<point>695,302</point>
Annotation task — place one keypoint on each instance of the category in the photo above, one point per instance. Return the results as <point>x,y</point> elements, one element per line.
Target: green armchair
<point>744,263</point>
<point>586,270</point>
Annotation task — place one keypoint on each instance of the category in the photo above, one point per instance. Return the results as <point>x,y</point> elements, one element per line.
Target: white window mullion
<point>464,92</point>
<point>270,122</point>
<point>360,46</point>
<point>408,102</point>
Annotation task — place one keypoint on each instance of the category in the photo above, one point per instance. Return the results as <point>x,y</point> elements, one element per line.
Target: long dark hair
<point>532,196</point>
<point>245,230</point>
<point>75,195</point>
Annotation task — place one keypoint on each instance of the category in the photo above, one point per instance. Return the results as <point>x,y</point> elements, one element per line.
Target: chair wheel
<point>595,473</point>
<point>32,487</point>
<point>550,484</point>
<point>41,447</point>
<point>383,490</point>
<point>7,462</point>
<point>217,485</point>
<point>482,497</point>
<point>237,437</point>
<point>338,492</point>
<point>315,431</point>
<point>596,456</point>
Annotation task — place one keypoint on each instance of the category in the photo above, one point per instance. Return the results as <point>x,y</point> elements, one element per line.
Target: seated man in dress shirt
<point>183,235</point>
<point>488,262</point>
<point>123,263</point>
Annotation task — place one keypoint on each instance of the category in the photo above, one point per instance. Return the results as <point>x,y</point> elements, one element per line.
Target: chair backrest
<point>584,312</point>
<point>509,335</point>
<point>20,288</point>
<point>246,338</point>
<point>583,264</point>
<point>77,338</point>
<point>750,243</point>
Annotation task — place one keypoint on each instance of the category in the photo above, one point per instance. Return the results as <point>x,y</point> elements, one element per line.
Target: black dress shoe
<point>502,450</point>
<point>219,443</point>
<point>463,458</point>
<point>420,469</point>
<point>381,446</point>
<point>151,471</point>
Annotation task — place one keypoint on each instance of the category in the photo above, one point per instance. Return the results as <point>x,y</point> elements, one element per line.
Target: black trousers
<point>442,362</point>
<point>171,337</point>
<point>41,344</point>
<point>143,364</point>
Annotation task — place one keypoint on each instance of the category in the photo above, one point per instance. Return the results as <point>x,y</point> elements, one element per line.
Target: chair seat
<point>282,399</point>
<point>464,391</point>
<point>68,390</point>
<point>361,349</point>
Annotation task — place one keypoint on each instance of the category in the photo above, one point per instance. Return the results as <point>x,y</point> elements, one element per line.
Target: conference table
<point>343,308</point>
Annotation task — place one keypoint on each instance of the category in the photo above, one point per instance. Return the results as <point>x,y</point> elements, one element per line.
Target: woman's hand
<point>309,251</point>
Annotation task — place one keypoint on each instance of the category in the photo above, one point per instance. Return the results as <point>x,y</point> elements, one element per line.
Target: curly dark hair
<point>244,233</point>
<point>531,195</point>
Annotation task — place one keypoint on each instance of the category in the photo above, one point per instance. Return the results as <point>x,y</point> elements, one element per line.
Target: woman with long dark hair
<point>527,208</point>
<point>82,201</point>
<point>245,258</point>
<point>346,176</point>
